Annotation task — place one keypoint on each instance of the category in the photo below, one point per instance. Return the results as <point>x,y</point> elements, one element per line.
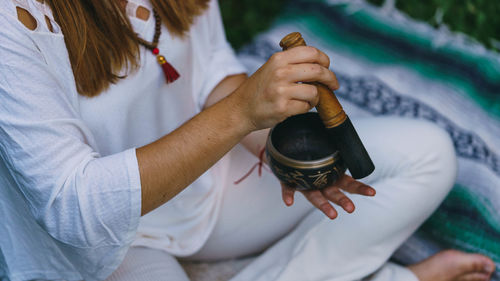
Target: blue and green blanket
<point>388,64</point>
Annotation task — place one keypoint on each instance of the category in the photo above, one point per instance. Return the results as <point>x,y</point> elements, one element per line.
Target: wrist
<point>231,117</point>
<point>239,113</point>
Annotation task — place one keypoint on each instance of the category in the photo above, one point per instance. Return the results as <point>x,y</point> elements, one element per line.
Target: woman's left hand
<point>321,198</point>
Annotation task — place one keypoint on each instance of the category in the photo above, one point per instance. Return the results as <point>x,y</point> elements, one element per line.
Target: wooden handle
<point>329,109</point>
<point>338,125</point>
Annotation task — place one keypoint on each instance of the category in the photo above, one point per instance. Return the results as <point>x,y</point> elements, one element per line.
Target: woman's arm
<point>254,141</point>
<point>269,96</point>
<point>170,164</point>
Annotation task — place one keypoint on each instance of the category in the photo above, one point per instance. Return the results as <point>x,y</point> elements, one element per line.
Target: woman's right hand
<point>274,93</point>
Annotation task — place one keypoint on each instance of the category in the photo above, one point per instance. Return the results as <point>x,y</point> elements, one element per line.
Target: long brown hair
<point>100,40</point>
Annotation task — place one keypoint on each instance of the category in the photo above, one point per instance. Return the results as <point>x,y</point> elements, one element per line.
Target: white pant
<point>415,169</point>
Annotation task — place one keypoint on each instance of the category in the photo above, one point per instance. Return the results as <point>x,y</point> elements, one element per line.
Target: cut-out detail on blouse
<point>26,18</point>
<point>33,15</point>
<point>49,24</point>
<point>136,10</point>
<point>142,13</point>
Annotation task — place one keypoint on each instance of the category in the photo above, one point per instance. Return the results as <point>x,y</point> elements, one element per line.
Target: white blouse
<point>70,194</point>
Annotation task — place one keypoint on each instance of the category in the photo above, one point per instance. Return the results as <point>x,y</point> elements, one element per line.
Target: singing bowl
<point>300,154</point>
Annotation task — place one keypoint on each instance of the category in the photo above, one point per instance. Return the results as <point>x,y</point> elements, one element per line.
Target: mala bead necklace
<point>170,73</point>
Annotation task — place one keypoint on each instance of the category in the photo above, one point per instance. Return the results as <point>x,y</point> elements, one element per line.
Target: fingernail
<point>347,208</point>
<point>351,208</point>
<point>332,215</point>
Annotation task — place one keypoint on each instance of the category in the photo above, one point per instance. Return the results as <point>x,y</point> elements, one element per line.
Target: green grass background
<point>479,19</point>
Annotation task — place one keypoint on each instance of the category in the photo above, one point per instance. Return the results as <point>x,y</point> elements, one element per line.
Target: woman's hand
<point>320,198</point>
<point>274,93</point>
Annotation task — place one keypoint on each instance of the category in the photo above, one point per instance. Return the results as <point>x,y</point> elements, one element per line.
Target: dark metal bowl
<point>300,154</point>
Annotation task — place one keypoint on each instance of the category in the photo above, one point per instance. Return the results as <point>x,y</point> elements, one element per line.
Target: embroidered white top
<point>70,195</point>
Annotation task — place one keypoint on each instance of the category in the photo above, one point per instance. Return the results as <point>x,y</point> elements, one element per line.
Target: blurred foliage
<point>245,18</point>
<point>377,2</point>
<point>478,18</point>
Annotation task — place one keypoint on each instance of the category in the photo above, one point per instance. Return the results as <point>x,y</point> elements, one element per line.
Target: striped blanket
<point>388,64</point>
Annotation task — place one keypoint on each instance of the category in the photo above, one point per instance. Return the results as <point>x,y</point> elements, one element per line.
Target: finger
<point>287,194</point>
<point>338,197</point>
<point>309,72</point>
<point>353,186</point>
<point>301,92</point>
<point>476,276</point>
<point>319,201</point>
<point>301,54</point>
<point>295,107</point>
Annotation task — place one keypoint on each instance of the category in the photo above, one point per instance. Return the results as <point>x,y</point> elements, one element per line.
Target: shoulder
<point>8,17</point>
<point>8,7</point>
<point>18,15</point>
<point>14,33</point>
<point>38,56</point>
<point>25,18</point>
<point>212,12</point>
<point>15,39</point>
<point>25,30</point>
<point>210,21</point>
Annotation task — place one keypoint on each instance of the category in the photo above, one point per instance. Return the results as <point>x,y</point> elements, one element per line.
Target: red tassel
<point>170,73</point>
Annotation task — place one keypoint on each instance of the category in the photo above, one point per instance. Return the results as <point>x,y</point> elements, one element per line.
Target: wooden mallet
<point>338,124</point>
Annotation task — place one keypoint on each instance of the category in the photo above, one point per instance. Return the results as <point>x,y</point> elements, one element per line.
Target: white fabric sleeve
<point>89,204</point>
<point>223,61</point>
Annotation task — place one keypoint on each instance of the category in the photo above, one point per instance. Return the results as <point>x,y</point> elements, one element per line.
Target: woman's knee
<point>413,149</point>
<point>437,154</point>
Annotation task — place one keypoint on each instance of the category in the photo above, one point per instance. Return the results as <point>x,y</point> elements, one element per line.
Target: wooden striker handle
<point>329,109</point>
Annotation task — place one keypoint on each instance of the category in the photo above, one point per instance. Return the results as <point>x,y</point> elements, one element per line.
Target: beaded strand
<point>170,72</point>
